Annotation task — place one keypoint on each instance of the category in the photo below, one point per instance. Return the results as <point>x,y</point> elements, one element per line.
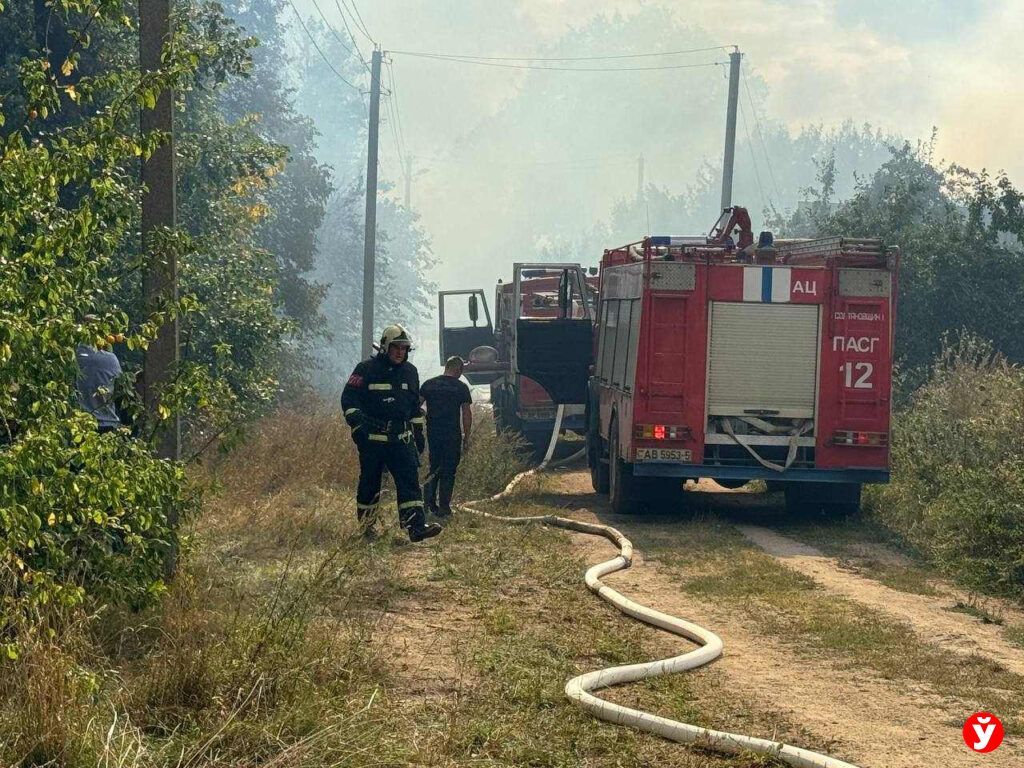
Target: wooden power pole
<point>370,235</point>
<point>730,127</point>
<point>160,280</point>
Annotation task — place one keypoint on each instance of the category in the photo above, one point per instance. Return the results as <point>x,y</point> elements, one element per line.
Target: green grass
<point>720,566</point>
<point>271,646</point>
<point>869,550</point>
<point>1014,633</point>
<point>546,628</point>
<point>979,610</point>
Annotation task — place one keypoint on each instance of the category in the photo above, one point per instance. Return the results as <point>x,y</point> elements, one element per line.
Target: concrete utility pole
<point>730,127</point>
<point>640,178</point>
<point>370,238</point>
<point>408,181</point>
<point>160,281</point>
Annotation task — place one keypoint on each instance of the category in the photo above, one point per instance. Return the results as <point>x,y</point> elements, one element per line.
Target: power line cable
<point>352,37</point>
<point>330,27</point>
<point>460,56</point>
<point>320,50</point>
<point>394,95</point>
<point>753,159</point>
<point>358,18</point>
<point>394,133</point>
<point>560,69</point>
<point>764,144</point>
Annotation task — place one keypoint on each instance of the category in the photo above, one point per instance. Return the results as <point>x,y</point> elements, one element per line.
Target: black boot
<point>418,528</point>
<point>424,531</point>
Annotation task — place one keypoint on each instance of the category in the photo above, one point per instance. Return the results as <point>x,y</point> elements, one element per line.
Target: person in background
<point>98,371</point>
<point>449,422</point>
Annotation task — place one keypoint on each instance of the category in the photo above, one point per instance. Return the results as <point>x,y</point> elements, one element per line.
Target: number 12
<point>863,381</point>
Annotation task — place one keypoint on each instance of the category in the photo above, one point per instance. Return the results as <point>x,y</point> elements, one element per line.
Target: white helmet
<point>395,334</point>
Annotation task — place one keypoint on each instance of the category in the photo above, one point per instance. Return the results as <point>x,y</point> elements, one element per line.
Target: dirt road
<point>903,707</point>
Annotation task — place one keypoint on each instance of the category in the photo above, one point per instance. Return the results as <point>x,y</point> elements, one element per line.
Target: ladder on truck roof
<point>853,251</point>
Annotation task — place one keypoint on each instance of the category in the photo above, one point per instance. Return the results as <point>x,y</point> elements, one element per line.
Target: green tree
<point>961,234</point>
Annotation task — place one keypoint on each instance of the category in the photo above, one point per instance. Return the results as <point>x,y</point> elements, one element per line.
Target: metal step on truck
<point>720,358</point>
<point>536,352</point>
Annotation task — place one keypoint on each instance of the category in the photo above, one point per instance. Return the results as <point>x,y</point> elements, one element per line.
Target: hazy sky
<point>902,65</point>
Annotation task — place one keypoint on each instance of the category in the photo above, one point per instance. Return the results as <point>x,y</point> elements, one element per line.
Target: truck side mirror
<point>474,309</point>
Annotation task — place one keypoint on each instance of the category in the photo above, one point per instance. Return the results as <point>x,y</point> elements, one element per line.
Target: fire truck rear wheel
<point>622,491</point>
<point>597,459</point>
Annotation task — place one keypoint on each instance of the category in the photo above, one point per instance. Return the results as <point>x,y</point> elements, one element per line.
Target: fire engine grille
<point>763,359</point>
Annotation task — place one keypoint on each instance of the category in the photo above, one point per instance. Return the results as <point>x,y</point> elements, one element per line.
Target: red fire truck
<point>718,358</point>
<point>544,310</point>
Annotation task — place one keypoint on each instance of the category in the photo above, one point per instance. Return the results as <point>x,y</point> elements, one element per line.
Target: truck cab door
<point>554,329</point>
<point>464,323</point>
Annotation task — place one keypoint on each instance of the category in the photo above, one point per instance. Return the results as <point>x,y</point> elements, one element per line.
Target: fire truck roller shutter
<point>763,358</point>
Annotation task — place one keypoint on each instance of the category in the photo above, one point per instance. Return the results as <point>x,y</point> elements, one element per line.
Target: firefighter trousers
<point>445,455</point>
<point>401,460</point>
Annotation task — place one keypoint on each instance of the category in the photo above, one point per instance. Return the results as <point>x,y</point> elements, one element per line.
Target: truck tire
<point>831,500</point>
<point>597,459</point>
<point>597,450</point>
<point>622,494</point>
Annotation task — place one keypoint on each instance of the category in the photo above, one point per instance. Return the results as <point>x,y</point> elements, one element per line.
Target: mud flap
<point>557,354</point>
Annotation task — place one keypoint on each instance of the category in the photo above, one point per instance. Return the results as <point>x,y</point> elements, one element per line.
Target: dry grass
<point>260,651</point>
<point>777,601</point>
<point>271,646</point>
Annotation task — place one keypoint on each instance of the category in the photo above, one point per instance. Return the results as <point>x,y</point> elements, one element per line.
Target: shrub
<point>958,459</point>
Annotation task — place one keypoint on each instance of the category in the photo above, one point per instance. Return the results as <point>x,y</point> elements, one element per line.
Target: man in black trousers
<point>449,422</point>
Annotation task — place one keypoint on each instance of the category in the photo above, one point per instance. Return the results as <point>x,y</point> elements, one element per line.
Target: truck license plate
<point>663,454</point>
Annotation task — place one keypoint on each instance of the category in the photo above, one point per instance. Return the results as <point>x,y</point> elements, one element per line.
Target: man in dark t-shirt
<point>449,421</point>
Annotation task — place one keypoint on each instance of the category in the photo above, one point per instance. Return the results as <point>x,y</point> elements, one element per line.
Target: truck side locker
<point>556,352</point>
<point>460,329</point>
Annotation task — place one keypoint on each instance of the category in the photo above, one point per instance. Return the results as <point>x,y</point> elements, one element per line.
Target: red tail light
<point>866,439</point>
<point>661,432</point>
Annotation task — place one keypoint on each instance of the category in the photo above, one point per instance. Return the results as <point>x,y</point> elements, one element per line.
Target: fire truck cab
<point>537,352</point>
<point>771,361</point>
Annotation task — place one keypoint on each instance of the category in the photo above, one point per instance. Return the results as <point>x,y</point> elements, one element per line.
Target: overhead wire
<point>352,37</point>
<point>319,50</point>
<point>562,58</point>
<point>394,98</point>
<point>764,144</point>
<point>481,63</point>
<point>753,158</point>
<point>358,19</point>
<point>331,28</point>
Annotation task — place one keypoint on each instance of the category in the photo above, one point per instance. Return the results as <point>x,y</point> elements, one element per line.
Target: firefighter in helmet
<point>381,403</point>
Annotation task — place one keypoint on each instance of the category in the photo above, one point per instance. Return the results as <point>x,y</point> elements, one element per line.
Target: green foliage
<point>81,512</point>
<point>961,234</point>
<point>85,515</point>
<point>958,460</point>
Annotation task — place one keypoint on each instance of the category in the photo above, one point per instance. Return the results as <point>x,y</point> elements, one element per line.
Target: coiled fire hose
<point>580,688</point>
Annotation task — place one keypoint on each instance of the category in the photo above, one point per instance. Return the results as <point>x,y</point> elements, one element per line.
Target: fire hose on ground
<point>579,689</point>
